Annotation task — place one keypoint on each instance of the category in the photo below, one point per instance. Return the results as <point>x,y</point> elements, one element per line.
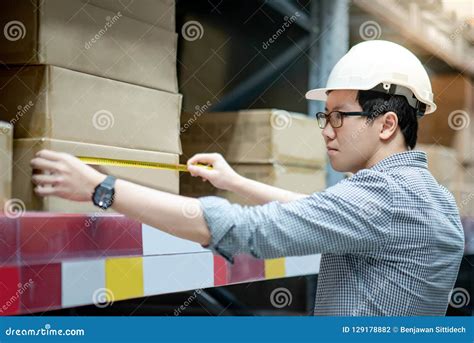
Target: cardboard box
<point>464,195</point>
<point>160,13</point>
<point>464,142</point>
<point>296,179</point>
<point>86,38</point>
<point>453,94</point>
<point>6,146</point>
<point>47,101</point>
<point>255,136</point>
<point>25,149</point>
<point>442,163</point>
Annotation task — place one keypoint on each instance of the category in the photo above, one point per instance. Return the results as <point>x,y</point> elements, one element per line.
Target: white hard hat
<point>382,66</point>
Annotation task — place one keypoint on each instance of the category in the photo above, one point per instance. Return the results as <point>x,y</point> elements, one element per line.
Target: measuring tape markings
<point>136,164</point>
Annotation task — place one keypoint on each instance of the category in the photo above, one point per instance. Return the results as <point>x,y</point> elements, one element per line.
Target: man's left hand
<point>63,175</point>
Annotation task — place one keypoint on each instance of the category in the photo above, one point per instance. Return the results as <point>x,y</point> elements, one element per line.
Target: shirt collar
<point>411,158</point>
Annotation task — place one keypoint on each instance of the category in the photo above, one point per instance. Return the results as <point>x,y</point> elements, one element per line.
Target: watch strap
<point>109,182</point>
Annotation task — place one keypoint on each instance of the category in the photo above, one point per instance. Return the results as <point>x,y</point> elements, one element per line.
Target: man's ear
<point>389,125</point>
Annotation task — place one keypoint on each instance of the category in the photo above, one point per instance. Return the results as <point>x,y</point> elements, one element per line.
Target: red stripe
<point>221,271</point>
<point>8,241</point>
<point>246,268</point>
<point>10,289</point>
<point>54,237</point>
<point>44,294</point>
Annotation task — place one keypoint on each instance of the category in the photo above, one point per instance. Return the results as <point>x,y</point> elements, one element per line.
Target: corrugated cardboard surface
<point>464,195</point>
<point>46,101</point>
<point>463,190</point>
<point>464,141</point>
<point>24,150</point>
<point>6,145</point>
<point>255,136</point>
<point>296,179</point>
<point>452,92</point>
<point>89,39</point>
<point>442,163</point>
<point>160,13</point>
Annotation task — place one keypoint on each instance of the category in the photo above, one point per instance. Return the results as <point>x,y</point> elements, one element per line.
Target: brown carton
<point>160,13</point>
<point>255,136</point>
<point>6,145</point>
<point>454,99</point>
<point>25,149</point>
<point>443,163</point>
<point>86,38</point>
<point>464,195</point>
<point>296,179</point>
<point>47,101</point>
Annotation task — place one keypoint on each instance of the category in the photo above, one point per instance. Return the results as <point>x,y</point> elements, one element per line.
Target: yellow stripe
<point>124,278</point>
<point>136,164</point>
<point>275,268</point>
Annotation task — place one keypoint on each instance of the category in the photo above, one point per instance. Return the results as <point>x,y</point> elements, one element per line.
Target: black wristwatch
<point>103,195</point>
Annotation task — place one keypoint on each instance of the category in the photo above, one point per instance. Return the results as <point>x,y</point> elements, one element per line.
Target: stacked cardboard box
<point>452,126</point>
<point>442,163</point>
<point>25,150</point>
<point>270,146</point>
<point>446,167</point>
<point>92,78</point>
<point>6,146</point>
<point>81,36</point>
<point>463,190</point>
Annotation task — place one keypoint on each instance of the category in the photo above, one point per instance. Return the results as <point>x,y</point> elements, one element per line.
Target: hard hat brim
<point>320,94</point>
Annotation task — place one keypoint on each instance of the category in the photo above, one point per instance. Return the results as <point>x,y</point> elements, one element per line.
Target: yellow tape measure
<point>136,164</point>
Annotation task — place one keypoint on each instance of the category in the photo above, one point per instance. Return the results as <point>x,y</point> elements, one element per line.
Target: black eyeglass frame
<point>327,117</point>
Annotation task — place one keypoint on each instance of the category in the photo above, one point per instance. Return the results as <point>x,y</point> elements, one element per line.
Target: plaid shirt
<point>390,236</point>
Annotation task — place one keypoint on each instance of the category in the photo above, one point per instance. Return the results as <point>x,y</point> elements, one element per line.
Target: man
<point>390,236</point>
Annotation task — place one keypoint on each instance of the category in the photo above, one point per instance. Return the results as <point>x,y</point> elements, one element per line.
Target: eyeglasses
<point>335,118</point>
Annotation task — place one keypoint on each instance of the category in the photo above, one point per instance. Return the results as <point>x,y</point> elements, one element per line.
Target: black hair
<point>378,103</point>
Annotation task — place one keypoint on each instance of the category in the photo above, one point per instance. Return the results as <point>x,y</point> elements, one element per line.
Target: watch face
<point>103,197</point>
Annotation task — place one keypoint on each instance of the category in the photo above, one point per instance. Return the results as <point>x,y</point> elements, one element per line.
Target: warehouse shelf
<point>45,256</point>
<point>428,27</point>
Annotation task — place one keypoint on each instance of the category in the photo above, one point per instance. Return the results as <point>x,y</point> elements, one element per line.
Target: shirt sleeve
<point>353,216</point>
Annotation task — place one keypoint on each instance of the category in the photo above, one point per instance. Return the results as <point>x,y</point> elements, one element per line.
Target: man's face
<point>352,145</point>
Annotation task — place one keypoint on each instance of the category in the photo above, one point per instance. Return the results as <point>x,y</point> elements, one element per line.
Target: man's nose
<point>329,132</point>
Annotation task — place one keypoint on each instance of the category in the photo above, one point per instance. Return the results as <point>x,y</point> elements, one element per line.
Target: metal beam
<point>287,8</point>
<point>329,42</point>
<point>245,92</point>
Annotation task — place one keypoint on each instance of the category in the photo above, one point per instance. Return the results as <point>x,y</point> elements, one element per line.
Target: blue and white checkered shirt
<point>390,236</point>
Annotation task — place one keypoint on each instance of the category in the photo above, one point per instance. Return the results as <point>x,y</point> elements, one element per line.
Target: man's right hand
<point>221,175</point>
